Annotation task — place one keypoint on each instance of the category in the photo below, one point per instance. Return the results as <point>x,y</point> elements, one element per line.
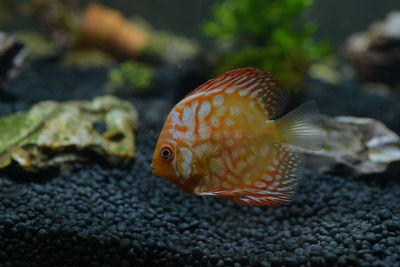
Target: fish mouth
<point>153,168</point>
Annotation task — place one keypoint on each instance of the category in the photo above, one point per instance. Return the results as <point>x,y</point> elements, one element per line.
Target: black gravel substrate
<point>108,217</point>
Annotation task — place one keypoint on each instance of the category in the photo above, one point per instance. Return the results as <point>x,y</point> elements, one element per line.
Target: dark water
<point>336,19</point>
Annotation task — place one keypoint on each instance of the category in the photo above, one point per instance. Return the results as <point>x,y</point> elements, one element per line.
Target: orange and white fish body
<point>220,140</point>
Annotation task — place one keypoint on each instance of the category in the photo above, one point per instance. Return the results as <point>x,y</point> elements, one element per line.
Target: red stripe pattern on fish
<point>222,140</point>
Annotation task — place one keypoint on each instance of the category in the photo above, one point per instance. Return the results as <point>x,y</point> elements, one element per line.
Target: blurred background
<point>167,48</point>
<point>336,19</point>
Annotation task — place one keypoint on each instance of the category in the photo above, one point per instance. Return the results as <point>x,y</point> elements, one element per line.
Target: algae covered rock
<point>357,146</point>
<point>51,134</point>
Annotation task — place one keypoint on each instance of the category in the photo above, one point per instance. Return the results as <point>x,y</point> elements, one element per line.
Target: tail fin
<point>302,127</point>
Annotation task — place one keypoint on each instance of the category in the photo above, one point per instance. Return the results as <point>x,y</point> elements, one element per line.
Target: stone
<point>356,146</point>
<point>52,134</point>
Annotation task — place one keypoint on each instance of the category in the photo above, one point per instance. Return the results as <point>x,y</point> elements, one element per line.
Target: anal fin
<point>276,184</point>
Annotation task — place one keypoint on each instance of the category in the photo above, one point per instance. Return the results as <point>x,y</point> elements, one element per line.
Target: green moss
<point>12,126</point>
<point>130,78</point>
<point>267,34</point>
<point>22,125</point>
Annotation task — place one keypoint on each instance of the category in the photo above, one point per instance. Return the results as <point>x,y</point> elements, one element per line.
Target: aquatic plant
<point>267,34</point>
<point>129,78</point>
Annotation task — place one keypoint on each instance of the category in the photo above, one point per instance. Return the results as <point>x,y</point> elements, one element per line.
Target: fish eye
<point>166,152</point>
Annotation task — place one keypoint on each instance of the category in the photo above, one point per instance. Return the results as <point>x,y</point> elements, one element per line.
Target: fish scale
<point>225,143</point>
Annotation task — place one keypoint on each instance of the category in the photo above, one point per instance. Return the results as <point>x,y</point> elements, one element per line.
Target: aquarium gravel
<point>99,216</point>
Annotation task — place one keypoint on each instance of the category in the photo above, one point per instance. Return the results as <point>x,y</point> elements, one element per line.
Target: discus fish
<point>223,140</point>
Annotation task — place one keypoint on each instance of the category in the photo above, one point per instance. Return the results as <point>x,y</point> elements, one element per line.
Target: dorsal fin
<point>215,82</point>
<point>256,85</point>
